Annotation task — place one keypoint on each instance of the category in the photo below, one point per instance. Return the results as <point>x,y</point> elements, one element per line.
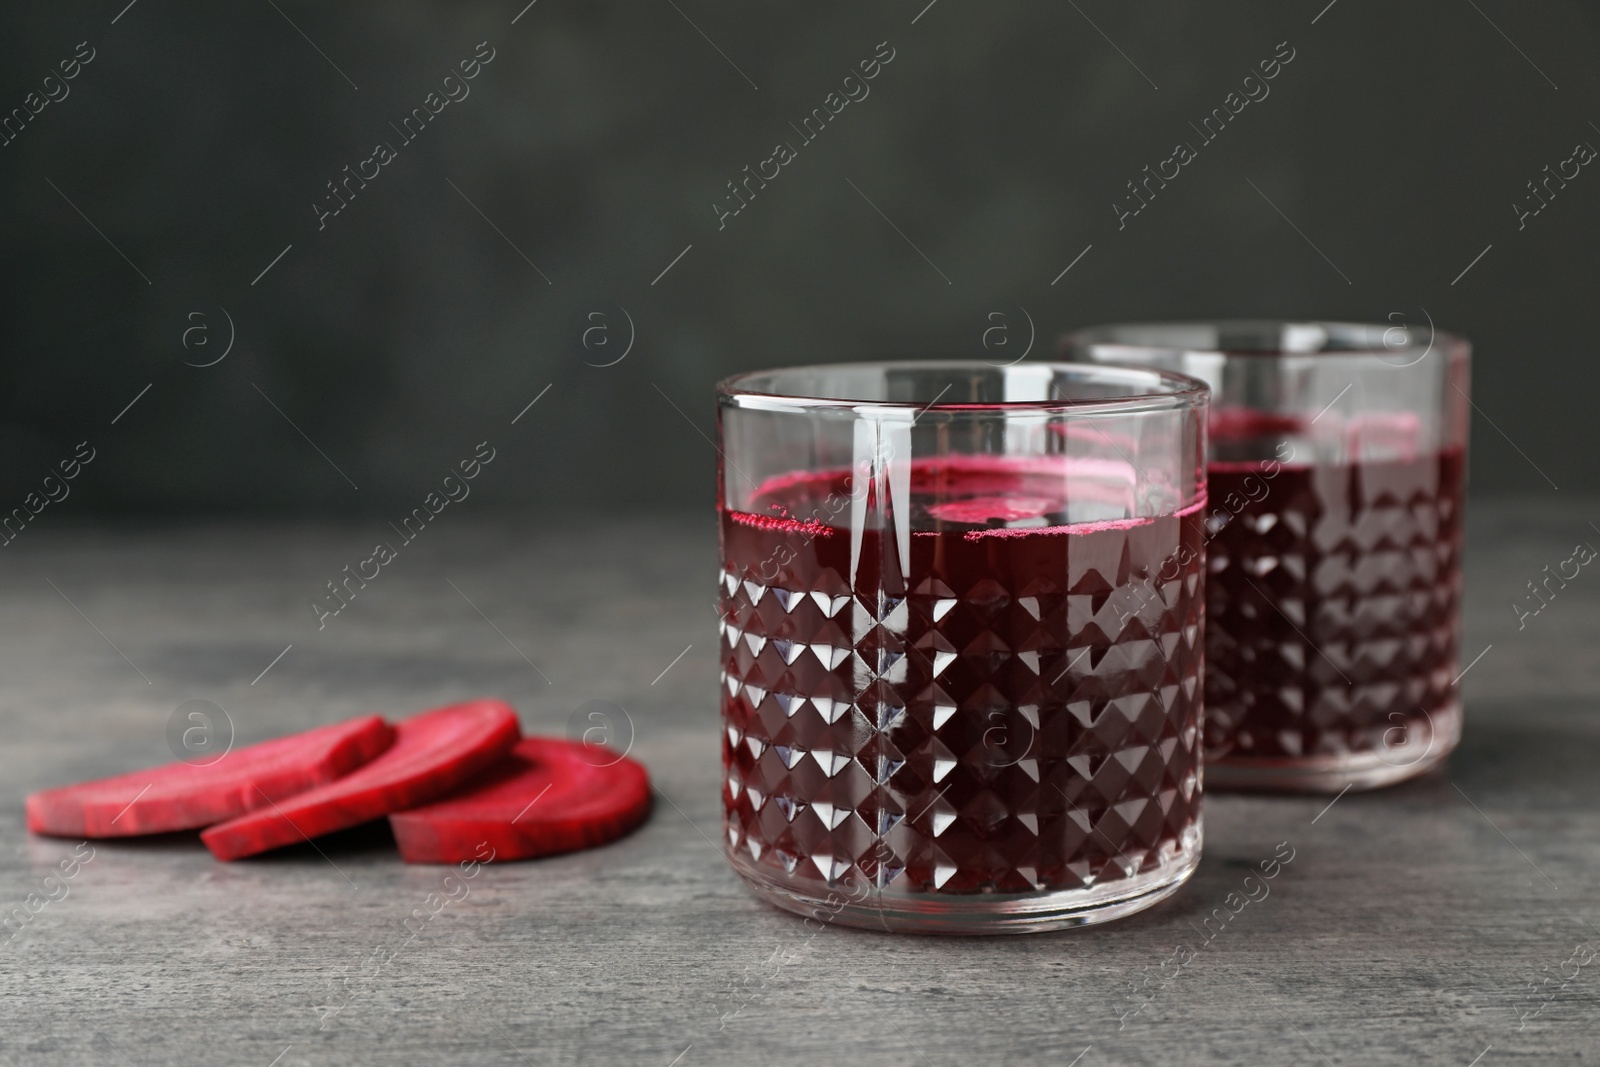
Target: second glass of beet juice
<point>1333,589</point>
<point>961,612</point>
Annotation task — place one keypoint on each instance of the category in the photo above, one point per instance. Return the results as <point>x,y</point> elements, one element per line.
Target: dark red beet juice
<point>1019,712</point>
<point>1332,616</point>
<point>1336,477</point>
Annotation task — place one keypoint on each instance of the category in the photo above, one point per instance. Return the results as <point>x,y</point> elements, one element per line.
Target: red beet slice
<point>547,796</point>
<point>433,753</point>
<point>181,796</point>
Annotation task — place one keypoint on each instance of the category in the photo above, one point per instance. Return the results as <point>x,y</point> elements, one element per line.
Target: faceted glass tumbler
<point>1333,594</point>
<point>961,621</point>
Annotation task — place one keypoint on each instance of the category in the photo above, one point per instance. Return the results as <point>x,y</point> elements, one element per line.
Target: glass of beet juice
<point>1333,583</point>
<point>961,611</point>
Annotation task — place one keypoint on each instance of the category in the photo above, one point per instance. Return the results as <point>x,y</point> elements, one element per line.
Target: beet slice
<point>433,753</point>
<point>547,796</point>
<point>182,796</point>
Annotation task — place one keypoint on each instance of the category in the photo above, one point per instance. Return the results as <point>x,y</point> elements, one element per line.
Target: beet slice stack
<point>547,796</point>
<point>182,796</point>
<point>433,754</point>
<point>451,781</point>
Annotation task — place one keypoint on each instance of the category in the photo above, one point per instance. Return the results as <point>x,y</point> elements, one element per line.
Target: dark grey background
<point>597,142</point>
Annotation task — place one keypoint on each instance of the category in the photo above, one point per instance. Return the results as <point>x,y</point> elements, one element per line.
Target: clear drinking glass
<point>962,644</point>
<point>1333,591</point>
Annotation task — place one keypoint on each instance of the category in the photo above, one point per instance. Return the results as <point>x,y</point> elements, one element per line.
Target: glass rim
<point>1151,389</point>
<point>1113,338</point>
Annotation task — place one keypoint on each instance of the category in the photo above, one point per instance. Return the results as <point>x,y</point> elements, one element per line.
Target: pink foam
<point>1071,529</point>
<point>984,508</point>
<point>810,527</point>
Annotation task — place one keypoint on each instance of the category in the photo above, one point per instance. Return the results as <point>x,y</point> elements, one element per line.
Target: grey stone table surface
<point>1451,920</point>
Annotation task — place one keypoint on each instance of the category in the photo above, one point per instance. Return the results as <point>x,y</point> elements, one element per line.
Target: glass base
<point>1416,756</point>
<point>974,913</point>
